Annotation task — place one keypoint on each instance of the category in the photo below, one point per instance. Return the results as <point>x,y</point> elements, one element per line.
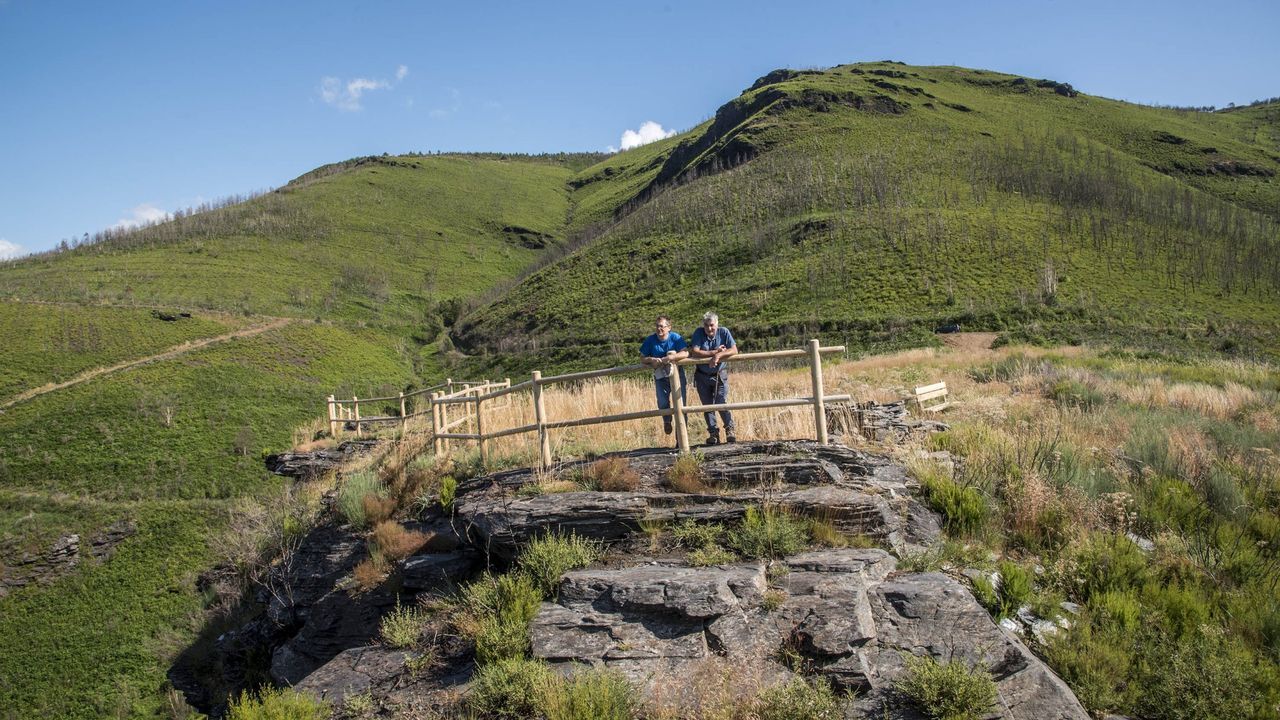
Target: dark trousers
<point>662,387</point>
<point>712,390</point>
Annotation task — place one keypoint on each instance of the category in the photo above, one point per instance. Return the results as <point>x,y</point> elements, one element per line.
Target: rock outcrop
<point>62,557</point>
<point>848,615</point>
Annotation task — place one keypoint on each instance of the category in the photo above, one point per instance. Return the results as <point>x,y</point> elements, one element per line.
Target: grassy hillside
<point>875,201</point>
<point>174,447</point>
<point>364,259</point>
<point>381,239</point>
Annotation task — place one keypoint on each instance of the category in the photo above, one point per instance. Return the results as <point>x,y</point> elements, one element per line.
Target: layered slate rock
<point>860,494</point>
<point>307,465</point>
<point>844,613</point>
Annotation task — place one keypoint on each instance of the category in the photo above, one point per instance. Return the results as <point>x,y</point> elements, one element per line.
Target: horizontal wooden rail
<point>477,393</point>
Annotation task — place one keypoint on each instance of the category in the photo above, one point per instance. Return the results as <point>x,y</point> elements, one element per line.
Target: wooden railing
<point>343,411</point>
<point>476,396</point>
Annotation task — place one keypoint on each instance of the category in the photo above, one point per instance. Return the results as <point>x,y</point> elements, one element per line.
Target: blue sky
<point>112,112</point>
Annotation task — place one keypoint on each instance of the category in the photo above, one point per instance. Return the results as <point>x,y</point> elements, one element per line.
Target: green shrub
<point>401,627</point>
<point>355,487</point>
<point>1096,664</point>
<point>1116,609</point>
<point>509,688</point>
<point>448,492</point>
<point>589,695</point>
<point>798,700</point>
<point>1016,587</point>
<point>1073,393</point>
<point>1185,608</point>
<point>503,607</point>
<point>1110,562</point>
<point>273,704</point>
<point>985,593</point>
<point>962,507</point>
<point>1203,674</point>
<point>769,533</point>
<point>697,536</point>
<point>707,556</point>
<point>548,557</point>
<point>948,691</point>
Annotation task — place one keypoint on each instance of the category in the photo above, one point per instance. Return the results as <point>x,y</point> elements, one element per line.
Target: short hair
<point>710,317</point>
<point>663,317</point>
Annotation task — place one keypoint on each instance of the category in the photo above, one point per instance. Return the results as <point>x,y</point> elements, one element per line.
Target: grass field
<point>172,446</point>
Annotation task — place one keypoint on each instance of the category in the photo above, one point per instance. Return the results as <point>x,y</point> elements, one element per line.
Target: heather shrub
<point>798,699</point>
<point>351,495</point>
<point>611,475</point>
<point>685,474</point>
<point>589,695</point>
<point>947,691</point>
<point>509,688</point>
<point>273,704</point>
<point>548,557</point>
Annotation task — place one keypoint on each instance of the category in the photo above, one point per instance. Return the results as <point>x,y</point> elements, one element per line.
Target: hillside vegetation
<point>876,201</point>
<point>866,204</point>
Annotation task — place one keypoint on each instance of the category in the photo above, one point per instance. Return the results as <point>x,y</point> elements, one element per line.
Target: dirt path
<point>969,340</point>
<point>166,355</point>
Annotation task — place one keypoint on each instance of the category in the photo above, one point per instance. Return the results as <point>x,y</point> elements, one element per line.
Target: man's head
<point>663,327</point>
<point>710,323</point>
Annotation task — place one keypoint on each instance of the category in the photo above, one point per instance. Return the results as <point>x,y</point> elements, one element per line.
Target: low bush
<point>394,542</point>
<point>1204,674</point>
<point>696,536</point>
<point>509,688</point>
<point>708,556</point>
<point>798,699</point>
<point>685,474</point>
<point>377,508</point>
<point>548,557</point>
<point>448,492</point>
<point>611,475</point>
<point>1116,609</point>
<point>497,612</point>
<point>1016,587</point>
<point>589,695</point>
<point>370,572</point>
<point>272,704</point>
<point>963,508</point>
<point>947,691</point>
<point>351,496</point>
<point>402,627</point>
<point>769,533</point>
<point>1109,562</point>
<point>1096,664</point>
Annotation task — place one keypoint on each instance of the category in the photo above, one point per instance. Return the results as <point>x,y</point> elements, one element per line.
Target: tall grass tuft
<point>351,496</point>
<point>769,533</point>
<point>948,691</point>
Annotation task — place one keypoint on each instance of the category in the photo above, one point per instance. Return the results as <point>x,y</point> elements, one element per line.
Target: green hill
<point>875,201</point>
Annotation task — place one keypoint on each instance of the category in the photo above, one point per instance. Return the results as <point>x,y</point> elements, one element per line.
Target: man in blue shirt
<point>660,350</point>
<point>712,379</point>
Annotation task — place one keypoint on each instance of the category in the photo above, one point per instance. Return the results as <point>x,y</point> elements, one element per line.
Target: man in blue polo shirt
<point>660,350</point>
<point>712,379</point>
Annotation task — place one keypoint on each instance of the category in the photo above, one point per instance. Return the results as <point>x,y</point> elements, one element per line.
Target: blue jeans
<point>662,387</point>
<point>713,389</point>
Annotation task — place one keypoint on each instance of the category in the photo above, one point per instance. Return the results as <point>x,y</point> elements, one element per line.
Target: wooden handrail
<point>477,393</point>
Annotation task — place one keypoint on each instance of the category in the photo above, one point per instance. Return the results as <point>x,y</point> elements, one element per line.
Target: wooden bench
<point>936,396</point>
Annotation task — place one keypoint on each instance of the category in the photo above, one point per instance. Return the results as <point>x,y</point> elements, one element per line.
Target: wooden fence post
<point>484,447</point>
<point>333,416</point>
<point>540,417</point>
<point>403,420</point>
<point>677,404</point>
<point>356,401</point>
<point>819,406</point>
<point>444,420</point>
<point>436,444</point>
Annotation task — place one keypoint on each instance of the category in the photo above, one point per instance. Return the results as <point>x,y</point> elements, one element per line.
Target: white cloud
<point>143,214</point>
<point>346,95</point>
<point>649,131</point>
<point>10,250</point>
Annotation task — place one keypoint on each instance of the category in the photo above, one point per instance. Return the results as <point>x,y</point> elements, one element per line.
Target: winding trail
<point>171,353</point>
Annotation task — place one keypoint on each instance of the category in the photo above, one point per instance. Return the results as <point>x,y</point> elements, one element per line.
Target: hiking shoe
<point>713,439</point>
<point>666,427</point>
<point>730,437</point>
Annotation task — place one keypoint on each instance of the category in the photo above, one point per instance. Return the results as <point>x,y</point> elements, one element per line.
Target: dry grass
<point>611,475</point>
<point>370,573</point>
<point>377,509</point>
<point>394,542</point>
<point>716,688</point>
<point>685,475</point>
